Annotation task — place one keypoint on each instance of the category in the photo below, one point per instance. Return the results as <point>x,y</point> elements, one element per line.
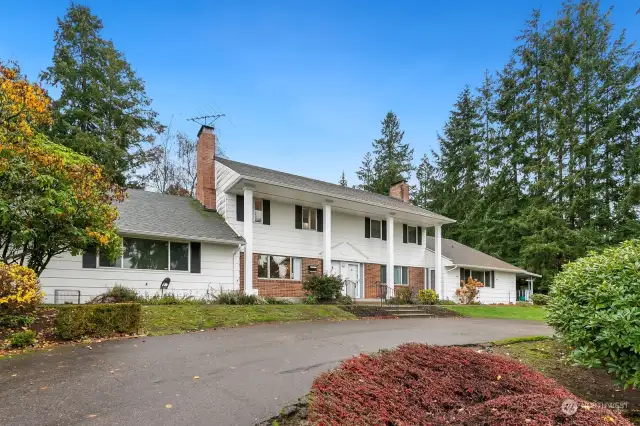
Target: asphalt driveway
<point>245,374</point>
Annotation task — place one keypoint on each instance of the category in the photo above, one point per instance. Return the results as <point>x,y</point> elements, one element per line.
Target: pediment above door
<point>347,252</point>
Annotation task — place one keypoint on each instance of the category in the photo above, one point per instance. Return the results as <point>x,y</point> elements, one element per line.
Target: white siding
<point>504,291</point>
<point>224,177</point>
<point>281,237</point>
<point>65,272</point>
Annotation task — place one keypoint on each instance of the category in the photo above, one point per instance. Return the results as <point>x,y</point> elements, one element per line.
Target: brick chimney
<point>400,190</point>
<point>205,164</point>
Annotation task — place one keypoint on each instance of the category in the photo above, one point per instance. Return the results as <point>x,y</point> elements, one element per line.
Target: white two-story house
<point>264,231</point>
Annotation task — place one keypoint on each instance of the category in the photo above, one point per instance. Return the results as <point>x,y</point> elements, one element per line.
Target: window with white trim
<point>400,275</point>
<point>412,234</point>
<point>141,253</point>
<point>309,218</point>
<point>488,278</point>
<point>279,267</point>
<point>376,228</point>
<point>257,210</point>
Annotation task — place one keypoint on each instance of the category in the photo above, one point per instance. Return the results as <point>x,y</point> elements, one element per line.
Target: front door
<point>351,275</point>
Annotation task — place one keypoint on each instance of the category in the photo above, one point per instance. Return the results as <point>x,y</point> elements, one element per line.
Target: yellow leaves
<point>498,378</point>
<point>19,288</point>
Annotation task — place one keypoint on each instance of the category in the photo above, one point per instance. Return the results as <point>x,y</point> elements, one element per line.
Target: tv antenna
<point>206,120</point>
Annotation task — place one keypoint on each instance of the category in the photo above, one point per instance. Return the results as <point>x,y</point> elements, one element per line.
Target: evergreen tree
<point>343,180</point>
<point>426,189</point>
<point>103,110</point>
<point>391,160</point>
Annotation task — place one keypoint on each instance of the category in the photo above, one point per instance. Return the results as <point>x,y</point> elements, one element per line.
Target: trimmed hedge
<point>100,320</point>
<point>418,384</point>
<point>540,299</point>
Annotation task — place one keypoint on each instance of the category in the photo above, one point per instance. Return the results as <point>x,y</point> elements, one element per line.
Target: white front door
<point>350,273</point>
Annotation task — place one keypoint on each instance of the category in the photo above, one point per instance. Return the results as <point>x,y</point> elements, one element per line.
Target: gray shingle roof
<point>161,215</point>
<point>325,188</point>
<point>465,255</point>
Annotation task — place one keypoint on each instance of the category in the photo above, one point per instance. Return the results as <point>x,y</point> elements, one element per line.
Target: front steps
<point>407,311</point>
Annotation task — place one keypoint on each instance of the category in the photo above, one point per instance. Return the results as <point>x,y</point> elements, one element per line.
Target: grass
<point>513,340</point>
<point>160,320</point>
<point>534,313</point>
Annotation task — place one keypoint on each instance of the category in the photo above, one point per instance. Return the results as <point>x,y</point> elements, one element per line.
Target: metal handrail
<point>354,286</point>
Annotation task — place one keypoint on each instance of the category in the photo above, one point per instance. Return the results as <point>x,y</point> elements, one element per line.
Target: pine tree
<point>391,160</point>
<point>426,189</point>
<point>343,180</point>
<point>103,110</point>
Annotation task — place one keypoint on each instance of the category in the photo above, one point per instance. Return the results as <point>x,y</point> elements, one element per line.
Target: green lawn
<point>535,313</point>
<point>171,319</point>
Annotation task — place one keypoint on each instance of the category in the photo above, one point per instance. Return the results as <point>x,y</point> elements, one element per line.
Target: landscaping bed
<point>520,312</point>
<point>592,384</point>
<point>418,384</point>
<point>159,320</point>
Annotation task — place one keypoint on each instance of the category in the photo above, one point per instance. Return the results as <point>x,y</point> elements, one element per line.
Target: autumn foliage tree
<point>52,200</point>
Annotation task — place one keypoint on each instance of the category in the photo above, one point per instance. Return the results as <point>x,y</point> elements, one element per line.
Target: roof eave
<point>439,220</point>
<point>515,271</point>
<point>195,238</point>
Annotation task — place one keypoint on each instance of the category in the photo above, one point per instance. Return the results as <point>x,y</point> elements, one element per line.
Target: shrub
<point>403,294</point>
<point>310,299</point>
<point>15,321</point>
<point>344,299</point>
<point>170,299</point>
<point>99,320</point>
<point>540,299</point>
<point>117,294</point>
<point>23,339</point>
<point>469,291</point>
<point>237,298</point>
<point>323,287</point>
<point>20,291</point>
<point>428,297</point>
<point>430,385</point>
<point>594,305</point>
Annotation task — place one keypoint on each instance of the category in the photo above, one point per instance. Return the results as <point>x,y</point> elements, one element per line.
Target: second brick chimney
<point>400,190</point>
<point>205,164</point>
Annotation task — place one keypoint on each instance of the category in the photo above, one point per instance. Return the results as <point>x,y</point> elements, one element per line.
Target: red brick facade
<point>279,288</point>
<point>372,280</point>
<point>416,279</point>
<point>205,164</point>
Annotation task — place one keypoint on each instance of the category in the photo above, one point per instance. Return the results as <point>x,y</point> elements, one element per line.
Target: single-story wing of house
<point>265,231</point>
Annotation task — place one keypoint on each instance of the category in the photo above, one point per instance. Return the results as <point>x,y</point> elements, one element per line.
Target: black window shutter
<point>266,212</point>
<point>384,230</point>
<point>89,258</point>
<point>367,227</point>
<point>195,258</point>
<point>240,208</point>
<point>298,217</point>
<point>404,233</point>
<point>419,235</point>
<point>319,217</point>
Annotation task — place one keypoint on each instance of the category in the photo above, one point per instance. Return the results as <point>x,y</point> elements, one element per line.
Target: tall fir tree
<point>343,180</point>
<point>103,110</point>
<point>391,160</point>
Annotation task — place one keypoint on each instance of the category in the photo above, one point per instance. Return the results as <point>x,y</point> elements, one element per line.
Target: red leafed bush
<point>425,385</point>
<point>536,410</point>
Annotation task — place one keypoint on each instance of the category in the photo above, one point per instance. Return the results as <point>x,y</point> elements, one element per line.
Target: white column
<point>390,250</point>
<point>326,259</point>
<point>438,254</point>
<point>248,237</point>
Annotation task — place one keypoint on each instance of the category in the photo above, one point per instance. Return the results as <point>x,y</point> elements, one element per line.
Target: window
<point>309,218</point>
<point>139,253</point>
<point>400,275</point>
<point>257,210</point>
<point>383,274</point>
<point>279,267</point>
<point>376,229</point>
<point>412,232</point>
<point>488,278</point>
<point>431,280</point>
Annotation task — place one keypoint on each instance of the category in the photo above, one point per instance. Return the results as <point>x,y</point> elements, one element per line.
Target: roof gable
<point>467,256</point>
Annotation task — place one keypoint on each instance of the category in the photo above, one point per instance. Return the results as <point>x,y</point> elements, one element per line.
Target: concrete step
<point>413,315</point>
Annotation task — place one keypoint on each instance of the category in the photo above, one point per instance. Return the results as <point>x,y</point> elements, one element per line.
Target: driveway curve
<point>218,377</point>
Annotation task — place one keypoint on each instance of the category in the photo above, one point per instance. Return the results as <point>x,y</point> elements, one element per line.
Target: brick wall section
<point>371,280</point>
<point>279,288</point>
<point>205,164</point>
<point>416,279</point>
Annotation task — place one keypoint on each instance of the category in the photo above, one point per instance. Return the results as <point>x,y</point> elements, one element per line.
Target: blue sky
<point>305,84</point>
